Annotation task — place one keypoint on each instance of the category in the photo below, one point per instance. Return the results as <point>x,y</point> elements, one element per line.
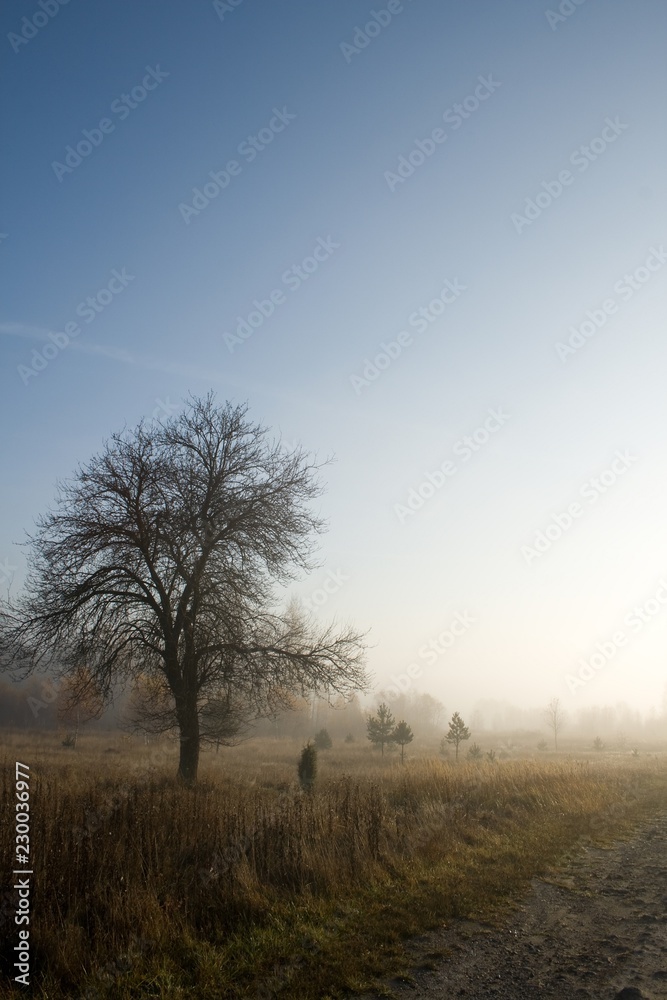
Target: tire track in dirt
<point>594,930</point>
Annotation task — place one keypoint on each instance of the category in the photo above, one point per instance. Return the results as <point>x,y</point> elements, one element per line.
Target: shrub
<point>307,769</point>
<point>598,744</point>
<point>323,741</point>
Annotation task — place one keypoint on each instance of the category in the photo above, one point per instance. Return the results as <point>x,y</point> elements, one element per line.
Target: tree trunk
<point>188,720</point>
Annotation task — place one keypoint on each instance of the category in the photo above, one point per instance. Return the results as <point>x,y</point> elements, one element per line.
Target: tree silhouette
<point>161,559</point>
<point>222,721</point>
<point>322,740</point>
<point>457,733</point>
<point>554,717</point>
<point>402,735</point>
<point>380,727</point>
<point>79,701</point>
<point>307,768</point>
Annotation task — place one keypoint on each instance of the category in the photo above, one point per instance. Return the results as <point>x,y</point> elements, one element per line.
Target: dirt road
<point>597,929</point>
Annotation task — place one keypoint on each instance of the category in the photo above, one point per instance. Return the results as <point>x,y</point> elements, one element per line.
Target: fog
<point>38,704</point>
<point>440,263</point>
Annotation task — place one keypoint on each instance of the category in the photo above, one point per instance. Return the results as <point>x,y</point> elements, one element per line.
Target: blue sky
<point>582,92</point>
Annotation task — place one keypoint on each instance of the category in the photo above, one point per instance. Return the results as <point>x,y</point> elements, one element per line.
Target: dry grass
<point>246,887</point>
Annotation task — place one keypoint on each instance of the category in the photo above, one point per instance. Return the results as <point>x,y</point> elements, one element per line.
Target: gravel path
<point>597,929</point>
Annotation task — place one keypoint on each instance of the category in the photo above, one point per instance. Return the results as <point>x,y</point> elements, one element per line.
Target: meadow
<point>246,886</point>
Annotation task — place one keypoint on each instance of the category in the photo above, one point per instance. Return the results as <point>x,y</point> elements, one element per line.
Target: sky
<point>426,238</point>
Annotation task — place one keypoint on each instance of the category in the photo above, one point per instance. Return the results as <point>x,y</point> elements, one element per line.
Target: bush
<point>307,769</point>
<point>598,744</point>
<point>475,752</point>
<point>322,740</point>
<point>349,738</point>
<point>543,745</point>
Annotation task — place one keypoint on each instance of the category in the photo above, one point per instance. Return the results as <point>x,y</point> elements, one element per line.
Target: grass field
<point>247,887</point>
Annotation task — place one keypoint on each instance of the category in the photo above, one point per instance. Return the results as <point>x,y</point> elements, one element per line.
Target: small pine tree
<point>457,733</point>
<point>323,741</point>
<point>475,752</point>
<point>598,744</point>
<point>380,727</point>
<point>307,769</point>
<point>402,735</point>
<point>491,755</point>
<point>349,738</point>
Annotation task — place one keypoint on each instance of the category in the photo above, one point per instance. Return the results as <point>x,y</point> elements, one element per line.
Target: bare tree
<point>223,721</point>
<point>554,716</point>
<point>161,559</point>
<point>80,701</point>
